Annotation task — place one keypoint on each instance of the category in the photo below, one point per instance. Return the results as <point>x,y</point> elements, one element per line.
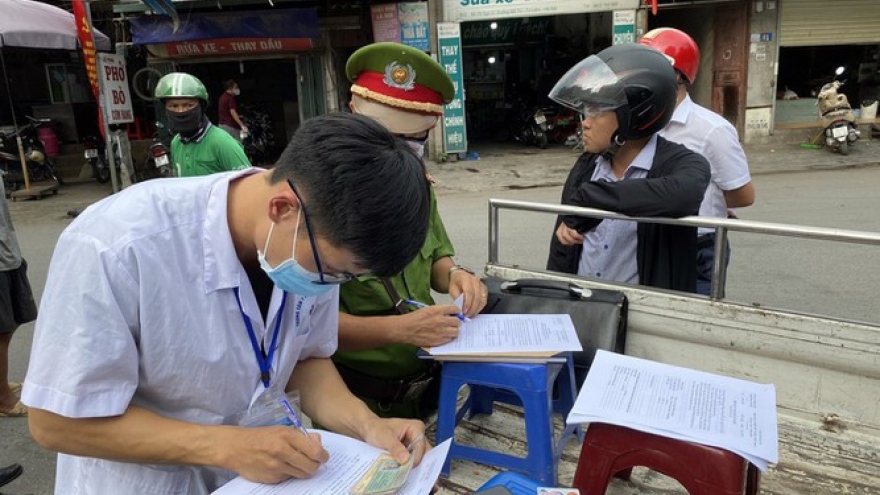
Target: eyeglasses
<point>325,278</point>
<point>593,110</point>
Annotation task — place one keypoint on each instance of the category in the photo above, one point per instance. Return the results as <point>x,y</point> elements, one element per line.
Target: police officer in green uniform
<point>379,333</point>
<point>199,147</point>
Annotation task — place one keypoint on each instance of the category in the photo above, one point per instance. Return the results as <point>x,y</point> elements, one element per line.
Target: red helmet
<point>678,46</point>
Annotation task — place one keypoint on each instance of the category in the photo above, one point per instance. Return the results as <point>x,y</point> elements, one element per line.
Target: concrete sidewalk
<point>513,166</point>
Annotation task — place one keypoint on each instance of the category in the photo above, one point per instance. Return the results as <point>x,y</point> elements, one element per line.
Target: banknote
<point>384,477</point>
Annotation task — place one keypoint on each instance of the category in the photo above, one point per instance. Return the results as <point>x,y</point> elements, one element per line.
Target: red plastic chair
<point>610,450</point>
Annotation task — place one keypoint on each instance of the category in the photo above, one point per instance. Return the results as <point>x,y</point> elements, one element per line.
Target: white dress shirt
<point>139,308</point>
<point>712,136</point>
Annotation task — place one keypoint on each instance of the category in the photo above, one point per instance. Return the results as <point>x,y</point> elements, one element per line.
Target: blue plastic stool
<point>515,482</point>
<point>528,385</point>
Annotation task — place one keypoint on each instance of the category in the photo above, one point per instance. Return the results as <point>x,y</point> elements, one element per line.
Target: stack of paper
<point>502,337</point>
<point>675,402</point>
<point>349,460</point>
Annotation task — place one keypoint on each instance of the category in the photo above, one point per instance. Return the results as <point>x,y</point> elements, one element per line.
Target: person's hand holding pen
<point>427,326</point>
<point>268,454</point>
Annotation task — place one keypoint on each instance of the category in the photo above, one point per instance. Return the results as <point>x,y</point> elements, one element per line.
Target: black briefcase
<point>599,315</point>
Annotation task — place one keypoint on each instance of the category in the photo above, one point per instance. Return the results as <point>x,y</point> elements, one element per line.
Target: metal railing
<point>721,226</point>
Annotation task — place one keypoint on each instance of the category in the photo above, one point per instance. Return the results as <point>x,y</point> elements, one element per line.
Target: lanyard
<point>264,361</point>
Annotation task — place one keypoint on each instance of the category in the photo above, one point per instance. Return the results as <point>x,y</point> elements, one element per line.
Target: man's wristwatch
<point>462,268</point>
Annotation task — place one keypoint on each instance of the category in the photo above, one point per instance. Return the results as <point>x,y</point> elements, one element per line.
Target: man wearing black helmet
<point>626,94</point>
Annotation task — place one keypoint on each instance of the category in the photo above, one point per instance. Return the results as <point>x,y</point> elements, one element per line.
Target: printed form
<point>502,333</point>
<point>349,460</point>
<point>682,403</point>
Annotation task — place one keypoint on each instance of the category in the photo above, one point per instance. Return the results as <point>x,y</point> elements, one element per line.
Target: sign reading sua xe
<point>475,10</point>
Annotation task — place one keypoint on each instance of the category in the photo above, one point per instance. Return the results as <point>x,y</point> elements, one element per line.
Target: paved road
<point>783,272</point>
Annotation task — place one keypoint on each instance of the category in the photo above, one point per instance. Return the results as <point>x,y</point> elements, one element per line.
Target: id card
<point>384,477</point>
<point>546,490</point>
<point>267,410</point>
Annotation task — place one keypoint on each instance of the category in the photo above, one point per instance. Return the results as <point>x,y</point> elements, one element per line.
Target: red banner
<point>84,33</point>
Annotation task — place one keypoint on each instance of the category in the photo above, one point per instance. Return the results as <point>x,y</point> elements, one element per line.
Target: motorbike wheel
<point>542,140</point>
<point>844,148</point>
<point>102,170</point>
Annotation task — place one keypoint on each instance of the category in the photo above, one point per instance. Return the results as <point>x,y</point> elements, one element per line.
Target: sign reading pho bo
<point>117,100</point>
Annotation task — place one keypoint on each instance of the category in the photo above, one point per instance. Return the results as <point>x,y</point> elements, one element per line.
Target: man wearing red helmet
<point>709,134</point>
<point>626,94</point>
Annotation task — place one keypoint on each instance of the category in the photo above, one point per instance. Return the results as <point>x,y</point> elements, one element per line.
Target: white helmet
<point>36,156</point>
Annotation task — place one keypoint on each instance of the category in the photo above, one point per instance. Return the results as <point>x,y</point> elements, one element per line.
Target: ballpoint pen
<point>417,304</point>
<point>291,415</point>
<point>416,440</point>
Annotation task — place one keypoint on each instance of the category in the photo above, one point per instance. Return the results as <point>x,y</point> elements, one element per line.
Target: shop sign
<point>247,26</point>
<point>454,130</point>
<point>114,83</point>
<point>506,31</point>
<point>624,27</point>
<point>232,46</point>
<point>405,23</point>
<point>476,10</point>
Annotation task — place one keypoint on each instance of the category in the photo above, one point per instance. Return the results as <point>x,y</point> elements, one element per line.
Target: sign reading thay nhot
<point>114,84</point>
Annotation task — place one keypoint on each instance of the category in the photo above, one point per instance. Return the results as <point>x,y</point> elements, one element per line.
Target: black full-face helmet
<point>636,82</point>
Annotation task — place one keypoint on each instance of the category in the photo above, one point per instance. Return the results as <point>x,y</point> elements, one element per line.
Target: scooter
<point>532,128</point>
<point>837,116</point>
<point>94,151</point>
<point>158,163</point>
<point>39,165</point>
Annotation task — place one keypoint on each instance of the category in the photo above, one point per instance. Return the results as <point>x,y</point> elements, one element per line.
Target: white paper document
<point>349,460</point>
<point>682,403</point>
<point>513,333</point>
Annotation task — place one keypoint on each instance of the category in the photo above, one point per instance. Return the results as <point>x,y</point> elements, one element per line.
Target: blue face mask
<point>289,276</point>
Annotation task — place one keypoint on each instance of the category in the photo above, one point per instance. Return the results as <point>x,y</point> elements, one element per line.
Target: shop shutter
<point>828,22</point>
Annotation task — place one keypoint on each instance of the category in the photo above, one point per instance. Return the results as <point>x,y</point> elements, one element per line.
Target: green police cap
<point>400,76</point>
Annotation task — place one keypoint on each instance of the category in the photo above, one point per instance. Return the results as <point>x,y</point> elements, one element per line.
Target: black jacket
<point>674,187</point>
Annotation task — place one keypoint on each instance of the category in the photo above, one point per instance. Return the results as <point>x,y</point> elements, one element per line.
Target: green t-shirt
<point>218,151</point>
<point>366,296</point>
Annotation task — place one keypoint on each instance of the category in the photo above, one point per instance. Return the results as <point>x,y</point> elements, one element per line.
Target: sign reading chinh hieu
<point>454,131</point>
<point>476,10</point>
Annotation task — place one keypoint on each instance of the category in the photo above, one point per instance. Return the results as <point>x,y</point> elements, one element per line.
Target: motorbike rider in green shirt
<point>379,334</point>
<point>199,147</point>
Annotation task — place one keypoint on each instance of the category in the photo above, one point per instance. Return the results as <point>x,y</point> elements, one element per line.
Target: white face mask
<point>236,91</point>
<point>289,275</point>
<point>417,145</point>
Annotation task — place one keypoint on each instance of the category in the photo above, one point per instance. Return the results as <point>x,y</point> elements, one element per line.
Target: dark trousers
<point>705,262</point>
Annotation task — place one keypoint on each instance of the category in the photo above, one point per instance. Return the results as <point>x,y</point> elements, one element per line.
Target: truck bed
<point>820,457</point>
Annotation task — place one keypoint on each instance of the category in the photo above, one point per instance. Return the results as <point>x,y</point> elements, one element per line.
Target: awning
<point>29,24</point>
<point>228,33</point>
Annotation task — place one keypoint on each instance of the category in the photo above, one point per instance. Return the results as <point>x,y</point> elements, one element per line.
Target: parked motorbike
<point>39,164</point>
<point>562,124</point>
<point>532,128</point>
<point>94,151</point>
<point>259,141</point>
<point>158,162</point>
<point>837,116</point>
